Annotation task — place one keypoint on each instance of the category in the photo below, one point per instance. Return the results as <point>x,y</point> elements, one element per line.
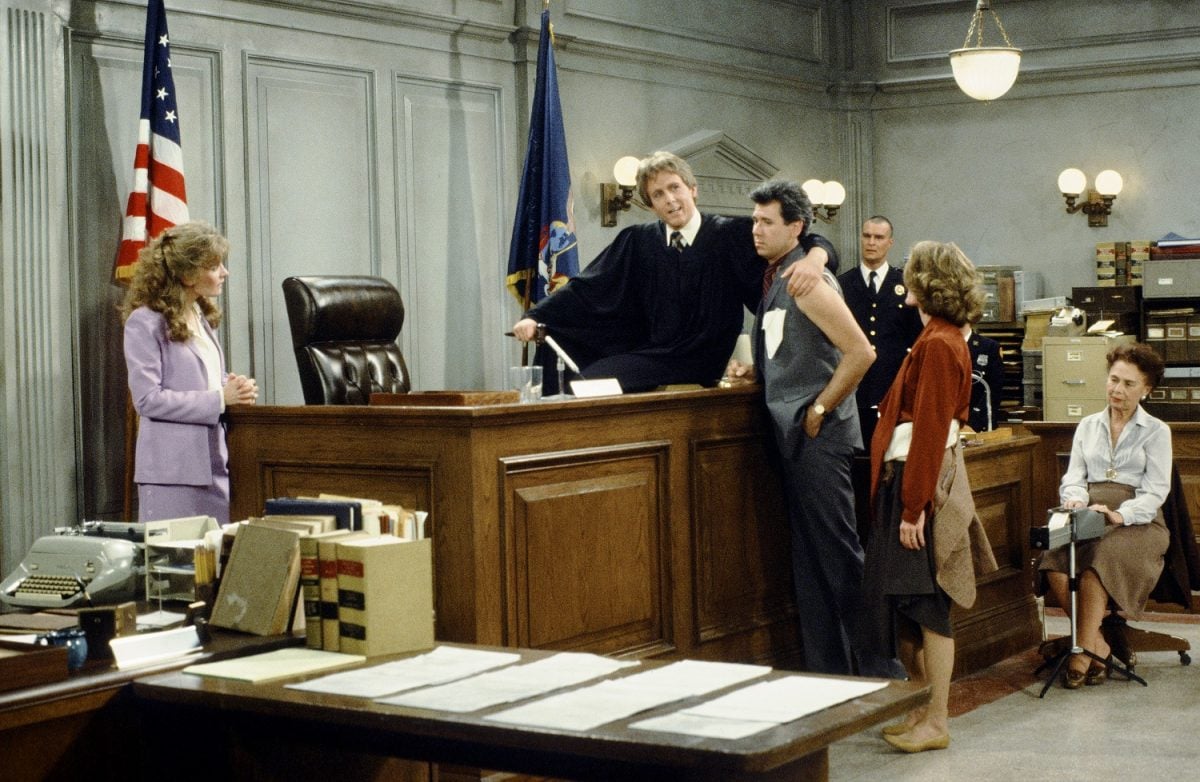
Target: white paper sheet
<point>616,699</point>
<point>708,727</point>
<point>279,664</point>
<point>786,699</point>
<point>772,327</point>
<point>510,684</point>
<point>443,664</point>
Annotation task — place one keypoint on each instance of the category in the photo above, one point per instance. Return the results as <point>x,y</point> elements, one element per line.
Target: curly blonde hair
<point>944,282</point>
<point>164,266</point>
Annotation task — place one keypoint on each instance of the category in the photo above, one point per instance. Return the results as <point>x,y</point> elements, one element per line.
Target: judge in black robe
<point>650,315</point>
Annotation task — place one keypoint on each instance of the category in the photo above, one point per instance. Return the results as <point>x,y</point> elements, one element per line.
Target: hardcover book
<point>348,514</point>
<point>258,588</point>
<point>328,588</point>
<point>385,595</point>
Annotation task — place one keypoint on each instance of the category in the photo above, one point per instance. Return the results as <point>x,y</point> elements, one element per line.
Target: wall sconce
<point>985,72</point>
<point>829,195</point>
<point>1098,203</point>
<point>616,197</point>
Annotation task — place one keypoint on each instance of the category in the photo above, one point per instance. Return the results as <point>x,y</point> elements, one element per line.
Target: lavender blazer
<point>180,417</point>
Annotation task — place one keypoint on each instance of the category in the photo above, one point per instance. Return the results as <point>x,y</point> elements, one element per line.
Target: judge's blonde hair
<point>649,167</point>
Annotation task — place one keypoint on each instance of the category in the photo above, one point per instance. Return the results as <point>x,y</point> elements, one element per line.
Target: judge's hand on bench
<point>738,374</point>
<point>525,329</point>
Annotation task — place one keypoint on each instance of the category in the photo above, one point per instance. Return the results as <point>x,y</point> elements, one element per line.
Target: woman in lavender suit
<point>177,374</point>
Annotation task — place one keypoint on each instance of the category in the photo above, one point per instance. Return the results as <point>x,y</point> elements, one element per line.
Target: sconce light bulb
<point>625,171</point>
<point>1109,182</point>
<point>1071,181</point>
<point>815,190</point>
<point>835,194</point>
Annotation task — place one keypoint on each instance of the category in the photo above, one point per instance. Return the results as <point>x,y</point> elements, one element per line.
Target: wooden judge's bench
<point>648,525</point>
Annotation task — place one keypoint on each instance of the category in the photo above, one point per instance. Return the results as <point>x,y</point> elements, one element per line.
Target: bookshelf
<point>1009,335</point>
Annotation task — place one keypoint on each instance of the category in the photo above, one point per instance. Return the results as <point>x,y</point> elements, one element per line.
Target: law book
<point>385,595</point>
<point>305,525</point>
<point>310,584</point>
<point>259,586</point>
<point>371,510</point>
<point>328,588</point>
<point>348,514</point>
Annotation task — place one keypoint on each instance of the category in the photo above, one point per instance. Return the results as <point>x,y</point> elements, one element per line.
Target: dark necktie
<point>871,282</point>
<point>677,240</point>
<point>769,276</point>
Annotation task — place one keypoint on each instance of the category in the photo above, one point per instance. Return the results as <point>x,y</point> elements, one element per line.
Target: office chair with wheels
<point>344,331</point>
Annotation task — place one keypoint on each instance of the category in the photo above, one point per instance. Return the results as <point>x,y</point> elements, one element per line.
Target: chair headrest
<point>342,309</point>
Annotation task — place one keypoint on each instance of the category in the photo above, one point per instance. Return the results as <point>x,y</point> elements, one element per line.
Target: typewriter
<point>63,570</point>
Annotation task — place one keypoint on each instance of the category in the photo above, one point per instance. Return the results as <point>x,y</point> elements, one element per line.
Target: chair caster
<point>1185,658</point>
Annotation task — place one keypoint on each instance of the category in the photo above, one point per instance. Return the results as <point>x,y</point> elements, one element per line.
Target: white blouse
<point>209,355</point>
<point>1141,459</point>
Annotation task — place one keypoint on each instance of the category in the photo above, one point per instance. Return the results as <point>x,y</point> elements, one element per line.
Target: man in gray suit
<point>810,355</point>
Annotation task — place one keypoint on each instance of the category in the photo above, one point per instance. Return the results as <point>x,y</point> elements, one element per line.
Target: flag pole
<point>529,279</point>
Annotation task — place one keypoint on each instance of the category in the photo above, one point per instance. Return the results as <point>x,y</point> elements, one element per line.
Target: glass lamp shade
<point>985,72</point>
<point>1071,181</point>
<point>1109,183</point>
<point>625,171</point>
<point>815,190</point>
<point>835,194</point>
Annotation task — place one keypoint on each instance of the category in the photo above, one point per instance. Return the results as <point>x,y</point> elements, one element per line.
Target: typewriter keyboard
<point>47,590</point>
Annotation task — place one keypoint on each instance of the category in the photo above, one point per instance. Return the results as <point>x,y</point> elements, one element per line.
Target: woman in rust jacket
<point>919,555</point>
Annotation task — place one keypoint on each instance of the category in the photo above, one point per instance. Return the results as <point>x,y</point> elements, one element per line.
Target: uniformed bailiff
<point>987,366</point>
<point>875,293</point>
<point>663,303</point>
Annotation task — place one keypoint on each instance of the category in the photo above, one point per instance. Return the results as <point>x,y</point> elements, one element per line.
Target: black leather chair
<point>344,330</point>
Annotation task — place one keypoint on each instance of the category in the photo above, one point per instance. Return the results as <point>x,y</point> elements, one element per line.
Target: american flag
<point>158,198</point>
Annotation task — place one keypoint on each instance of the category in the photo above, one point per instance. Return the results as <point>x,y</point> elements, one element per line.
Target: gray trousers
<point>827,560</point>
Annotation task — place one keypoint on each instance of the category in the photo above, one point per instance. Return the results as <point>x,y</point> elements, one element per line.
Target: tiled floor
<point>1001,730</point>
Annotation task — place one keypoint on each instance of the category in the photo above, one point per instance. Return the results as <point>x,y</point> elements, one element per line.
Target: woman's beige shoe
<point>937,742</point>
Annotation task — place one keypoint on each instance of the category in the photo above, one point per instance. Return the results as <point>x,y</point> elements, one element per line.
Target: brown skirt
<point>1128,560</point>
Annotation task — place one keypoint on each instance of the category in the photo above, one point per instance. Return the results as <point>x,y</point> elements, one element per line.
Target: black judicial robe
<point>650,315</point>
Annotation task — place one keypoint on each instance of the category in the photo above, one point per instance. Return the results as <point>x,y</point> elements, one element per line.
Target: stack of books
<point>1122,263</point>
<point>1175,249</point>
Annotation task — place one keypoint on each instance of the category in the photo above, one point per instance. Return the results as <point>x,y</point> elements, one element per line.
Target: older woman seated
<point>1120,466</point>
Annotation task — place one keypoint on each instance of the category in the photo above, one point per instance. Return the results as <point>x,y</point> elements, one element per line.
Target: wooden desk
<point>250,727</point>
<point>639,525</point>
<point>85,726</point>
<point>646,525</point>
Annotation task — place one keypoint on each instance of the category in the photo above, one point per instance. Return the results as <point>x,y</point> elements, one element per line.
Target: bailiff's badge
<point>899,289</point>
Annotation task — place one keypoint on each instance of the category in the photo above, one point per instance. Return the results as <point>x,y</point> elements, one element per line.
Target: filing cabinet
<point>1074,374</point>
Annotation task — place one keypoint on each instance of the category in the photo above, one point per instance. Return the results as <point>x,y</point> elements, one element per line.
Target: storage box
<point>1036,326</point>
<point>1004,287</point>
<point>1171,279</point>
